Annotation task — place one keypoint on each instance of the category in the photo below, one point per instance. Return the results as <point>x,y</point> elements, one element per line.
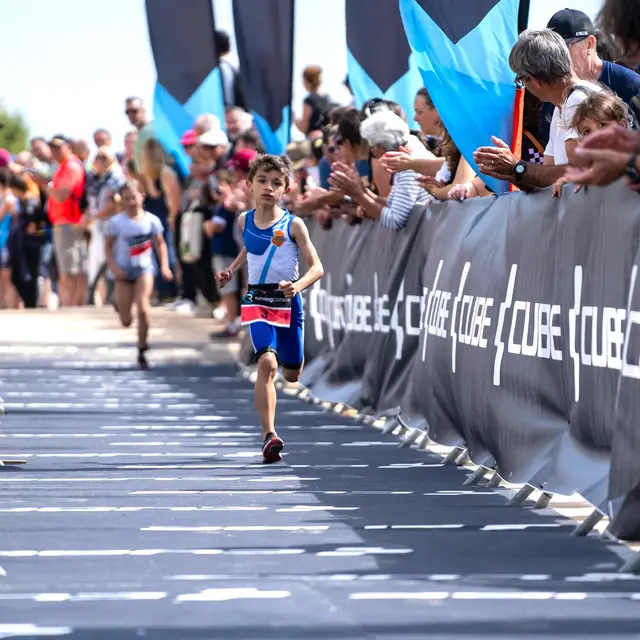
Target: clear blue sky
<point>69,64</point>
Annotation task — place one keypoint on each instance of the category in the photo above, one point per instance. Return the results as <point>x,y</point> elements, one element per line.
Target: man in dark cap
<point>578,32</point>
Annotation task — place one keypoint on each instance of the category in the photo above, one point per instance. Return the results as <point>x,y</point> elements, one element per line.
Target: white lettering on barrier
<point>427,310</point>
<point>398,328</point>
<point>456,302</point>
<point>573,316</point>
<point>630,370</point>
<point>598,336</point>
<point>358,313</point>
<point>498,341</point>
<point>537,335</point>
<point>474,321</point>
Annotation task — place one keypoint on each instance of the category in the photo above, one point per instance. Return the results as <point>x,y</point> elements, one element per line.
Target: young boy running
<point>272,308</point>
<point>129,239</point>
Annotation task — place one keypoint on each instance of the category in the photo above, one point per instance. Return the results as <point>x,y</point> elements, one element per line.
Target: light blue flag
<point>462,50</point>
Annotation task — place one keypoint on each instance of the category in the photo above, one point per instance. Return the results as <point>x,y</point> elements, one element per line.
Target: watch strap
<point>631,170</point>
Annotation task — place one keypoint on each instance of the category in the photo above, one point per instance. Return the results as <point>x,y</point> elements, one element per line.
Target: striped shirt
<point>405,193</point>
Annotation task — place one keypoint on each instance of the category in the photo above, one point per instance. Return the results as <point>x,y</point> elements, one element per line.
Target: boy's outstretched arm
<point>300,234</point>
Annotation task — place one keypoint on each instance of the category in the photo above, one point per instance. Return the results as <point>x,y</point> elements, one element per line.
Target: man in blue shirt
<point>579,33</point>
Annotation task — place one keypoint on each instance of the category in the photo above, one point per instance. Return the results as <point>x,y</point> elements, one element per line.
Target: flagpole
<point>518,103</point>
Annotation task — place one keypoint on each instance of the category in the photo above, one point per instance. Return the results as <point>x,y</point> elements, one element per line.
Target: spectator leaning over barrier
<point>350,148</point>
<point>578,32</point>
<point>384,131</point>
<point>541,61</point>
<point>65,194</point>
<point>431,127</point>
<point>611,153</point>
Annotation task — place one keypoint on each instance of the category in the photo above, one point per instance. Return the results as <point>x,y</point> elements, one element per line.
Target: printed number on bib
<point>270,306</point>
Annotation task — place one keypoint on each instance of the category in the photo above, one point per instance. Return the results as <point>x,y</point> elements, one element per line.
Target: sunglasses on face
<point>520,80</point>
<point>332,148</point>
<point>131,111</point>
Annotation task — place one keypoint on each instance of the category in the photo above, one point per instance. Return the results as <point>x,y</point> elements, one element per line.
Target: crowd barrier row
<point>508,327</point>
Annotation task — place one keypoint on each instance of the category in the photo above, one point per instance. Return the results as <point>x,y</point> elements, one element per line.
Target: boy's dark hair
<point>270,162</point>
<point>18,182</point>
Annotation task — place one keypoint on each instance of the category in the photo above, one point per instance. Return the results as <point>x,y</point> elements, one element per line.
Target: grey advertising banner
<point>509,325</point>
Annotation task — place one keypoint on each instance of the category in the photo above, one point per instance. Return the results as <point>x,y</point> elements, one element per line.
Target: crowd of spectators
<point>582,105</point>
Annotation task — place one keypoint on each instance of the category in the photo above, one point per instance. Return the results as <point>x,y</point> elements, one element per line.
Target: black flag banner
<point>264,38</point>
<point>510,325</point>
<point>186,60</point>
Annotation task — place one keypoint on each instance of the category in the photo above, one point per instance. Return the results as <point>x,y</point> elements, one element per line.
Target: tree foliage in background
<point>14,133</point>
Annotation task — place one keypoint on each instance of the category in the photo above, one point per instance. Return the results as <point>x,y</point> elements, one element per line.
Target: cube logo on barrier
<point>359,313</point>
<point>598,336</point>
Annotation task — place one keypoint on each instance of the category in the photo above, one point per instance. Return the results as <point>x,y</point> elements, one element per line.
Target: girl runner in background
<point>273,239</point>
<point>130,237</point>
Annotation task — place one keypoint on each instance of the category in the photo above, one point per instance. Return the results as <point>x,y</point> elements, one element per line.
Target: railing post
<point>476,476</point>
<point>587,525</point>
<point>521,496</point>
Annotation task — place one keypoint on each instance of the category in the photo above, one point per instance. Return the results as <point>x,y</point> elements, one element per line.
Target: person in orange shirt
<point>66,196</point>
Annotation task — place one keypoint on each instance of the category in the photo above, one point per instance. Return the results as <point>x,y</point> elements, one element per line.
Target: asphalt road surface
<point>144,512</point>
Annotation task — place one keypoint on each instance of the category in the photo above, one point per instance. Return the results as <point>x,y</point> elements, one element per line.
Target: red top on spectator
<point>69,174</point>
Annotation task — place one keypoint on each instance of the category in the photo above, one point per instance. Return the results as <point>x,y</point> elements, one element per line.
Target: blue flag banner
<point>264,39</point>
<point>462,50</point>
<point>188,84</point>
<point>379,61</point>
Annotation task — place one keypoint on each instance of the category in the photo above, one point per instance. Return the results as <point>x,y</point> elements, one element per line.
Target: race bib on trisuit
<point>140,249</point>
<point>266,305</point>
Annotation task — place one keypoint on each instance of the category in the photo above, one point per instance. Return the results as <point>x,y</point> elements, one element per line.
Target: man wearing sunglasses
<point>137,114</point>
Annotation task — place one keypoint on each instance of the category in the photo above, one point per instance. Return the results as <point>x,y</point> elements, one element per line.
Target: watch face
<point>519,169</point>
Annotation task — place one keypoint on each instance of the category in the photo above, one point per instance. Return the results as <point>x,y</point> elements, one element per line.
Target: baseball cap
<point>242,159</point>
<point>572,25</point>
<point>5,158</point>
<point>215,137</point>
<point>189,138</point>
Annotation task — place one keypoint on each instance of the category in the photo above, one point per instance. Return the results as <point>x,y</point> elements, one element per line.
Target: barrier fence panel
<point>505,324</point>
